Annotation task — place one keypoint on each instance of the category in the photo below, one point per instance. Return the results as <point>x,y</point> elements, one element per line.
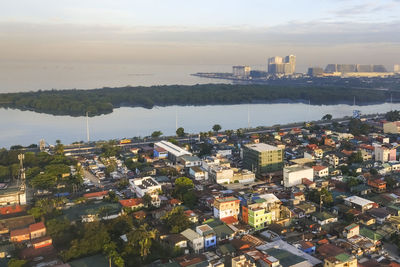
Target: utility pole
<point>87,127</point>
<point>248,116</point>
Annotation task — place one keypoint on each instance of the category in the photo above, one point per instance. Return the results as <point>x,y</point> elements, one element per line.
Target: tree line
<point>102,101</point>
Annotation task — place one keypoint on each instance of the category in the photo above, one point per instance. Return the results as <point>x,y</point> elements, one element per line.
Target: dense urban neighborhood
<point>322,194</point>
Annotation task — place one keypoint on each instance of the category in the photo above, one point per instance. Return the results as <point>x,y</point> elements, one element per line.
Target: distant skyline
<point>200,32</point>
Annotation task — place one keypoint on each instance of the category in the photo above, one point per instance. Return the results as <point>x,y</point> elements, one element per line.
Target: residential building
<point>195,240</point>
<point>37,230</point>
<point>96,195</point>
<point>378,185</point>
<point>174,151</point>
<point>323,218</point>
<point>132,203</point>
<point>293,175</point>
<point>42,242</point>
<point>12,195</point>
<point>210,238</point>
<point>221,174</point>
<point>198,173</point>
<point>242,261</point>
<point>19,235</point>
<point>226,207</point>
<point>189,161</point>
<point>359,203</point>
<point>391,127</point>
<point>341,260</point>
<point>351,230</point>
<point>385,153</point>
<point>261,158</point>
<point>320,171</point>
<point>241,71</point>
<point>146,185</point>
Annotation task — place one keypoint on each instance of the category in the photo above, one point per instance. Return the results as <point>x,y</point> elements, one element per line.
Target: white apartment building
<point>293,175</point>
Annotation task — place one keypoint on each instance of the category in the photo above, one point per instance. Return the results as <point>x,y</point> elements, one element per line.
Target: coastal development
<point>320,194</point>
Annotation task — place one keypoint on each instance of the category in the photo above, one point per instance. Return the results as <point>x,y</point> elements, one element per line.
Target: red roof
<point>132,202</point>
<point>347,152</point>
<point>306,181</point>
<point>229,220</point>
<point>319,168</point>
<point>95,194</point>
<point>19,232</point>
<point>323,241</point>
<point>175,201</point>
<point>36,227</point>
<point>11,209</point>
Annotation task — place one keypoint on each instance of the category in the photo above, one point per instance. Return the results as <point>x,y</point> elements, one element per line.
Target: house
<point>20,235</point>
<point>96,195</point>
<point>189,161</point>
<point>226,207</point>
<point>320,171</point>
<point>195,240</point>
<point>351,230</point>
<point>160,153</point>
<point>307,247</point>
<point>192,216</point>
<point>323,218</point>
<point>37,230</point>
<point>359,203</point>
<point>176,240</point>
<point>341,260</point>
<point>377,185</point>
<point>132,203</point>
<point>198,173</point>
<point>243,261</point>
<point>380,214</point>
<point>42,242</point>
<point>385,153</point>
<point>210,237</point>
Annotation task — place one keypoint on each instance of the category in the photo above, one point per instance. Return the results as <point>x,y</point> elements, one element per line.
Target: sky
<point>200,32</point>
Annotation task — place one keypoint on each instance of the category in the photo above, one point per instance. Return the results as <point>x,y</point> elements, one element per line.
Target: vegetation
<point>104,100</point>
<point>156,134</point>
<point>180,132</point>
<point>393,115</point>
<point>184,191</point>
<point>327,117</point>
<point>216,128</point>
<point>176,220</point>
<point>324,195</point>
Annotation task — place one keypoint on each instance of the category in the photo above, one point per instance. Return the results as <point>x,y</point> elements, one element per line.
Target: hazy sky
<point>200,32</point>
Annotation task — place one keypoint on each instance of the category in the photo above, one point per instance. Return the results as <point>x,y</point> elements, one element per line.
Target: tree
<point>17,263</point>
<point>184,191</point>
<point>180,132</point>
<point>393,115</point>
<point>327,117</point>
<point>59,148</point>
<point>141,239</point>
<point>216,128</point>
<point>156,134</point>
<point>373,171</point>
<point>147,200</point>
<point>176,220</point>
<point>355,158</point>
<point>325,195</point>
<point>110,249</point>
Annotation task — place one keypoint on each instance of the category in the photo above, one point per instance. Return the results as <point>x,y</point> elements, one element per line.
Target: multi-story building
<point>261,158</point>
<point>210,238</point>
<point>341,260</point>
<point>396,68</point>
<point>320,171</point>
<point>226,207</point>
<point>280,65</point>
<point>385,153</point>
<point>391,127</point>
<point>351,230</point>
<point>315,71</point>
<point>146,185</point>
<point>293,175</point>
<point>195,240</point>
<point>241,71</point>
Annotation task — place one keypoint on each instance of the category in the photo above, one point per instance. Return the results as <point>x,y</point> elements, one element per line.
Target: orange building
<point>378,185</point>
<point>19,235</point>
<point>42,242</point>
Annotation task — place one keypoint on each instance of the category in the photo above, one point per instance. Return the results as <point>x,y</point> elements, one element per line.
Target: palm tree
<point>141,239</point>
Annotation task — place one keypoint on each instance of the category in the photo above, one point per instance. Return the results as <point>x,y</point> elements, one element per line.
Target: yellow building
<point>242,261</point>
<point>341,260</point>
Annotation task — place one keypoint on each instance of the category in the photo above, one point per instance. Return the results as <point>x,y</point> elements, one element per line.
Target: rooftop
<point>173,149</point>
<point>358,200</point>
<point>262,147</point>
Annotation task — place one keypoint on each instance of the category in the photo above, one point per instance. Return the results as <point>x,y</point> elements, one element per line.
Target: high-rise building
<point>280,65</point>
<point>397,68</point>
<point>291,59</point>
<point>261,158</point>
<point>346,68</point>
<point>315,71</point>
<point>241,71</point>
